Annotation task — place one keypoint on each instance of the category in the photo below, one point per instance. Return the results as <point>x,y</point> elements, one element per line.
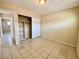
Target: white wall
<point>61,26</point>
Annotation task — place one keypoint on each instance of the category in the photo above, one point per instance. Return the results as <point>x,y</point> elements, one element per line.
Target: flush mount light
<point>42,2</point>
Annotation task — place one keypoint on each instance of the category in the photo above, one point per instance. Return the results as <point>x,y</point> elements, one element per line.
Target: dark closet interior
<point>24,27</point>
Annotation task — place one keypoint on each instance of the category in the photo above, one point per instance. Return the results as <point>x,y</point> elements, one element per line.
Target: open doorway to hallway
<point>6,31</point>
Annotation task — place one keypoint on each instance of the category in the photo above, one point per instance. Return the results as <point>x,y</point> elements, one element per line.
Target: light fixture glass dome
<point>42,2</point>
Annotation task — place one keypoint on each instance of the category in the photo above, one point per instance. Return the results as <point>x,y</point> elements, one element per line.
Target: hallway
<point>38,48</point>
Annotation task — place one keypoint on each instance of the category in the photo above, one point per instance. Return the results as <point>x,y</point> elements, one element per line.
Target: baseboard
<point>78,52</point>
<point>60,42</point>
<point>36,37</point>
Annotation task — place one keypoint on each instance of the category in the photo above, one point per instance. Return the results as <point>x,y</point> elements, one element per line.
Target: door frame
<point>1,29</point>
<point>11,26</point>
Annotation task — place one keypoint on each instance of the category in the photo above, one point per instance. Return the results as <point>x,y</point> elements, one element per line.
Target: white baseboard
<point>36,37</point>
<point>78,52</point>
<point>60,42</point>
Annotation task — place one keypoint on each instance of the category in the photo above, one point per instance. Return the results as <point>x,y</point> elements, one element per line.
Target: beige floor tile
<point>51,57</point>
<point>29,57</point>
<point>56,50</point>
<point>44,54</point>
<point>0,56</point>
<point>63,52</point>
<point>72,54</point>
<point>61,57</point>
<point>37,55</point>
<point>8,57</point>
<point>38,48</point>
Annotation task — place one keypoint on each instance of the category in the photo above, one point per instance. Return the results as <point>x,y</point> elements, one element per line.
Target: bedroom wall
<point>61,26</point>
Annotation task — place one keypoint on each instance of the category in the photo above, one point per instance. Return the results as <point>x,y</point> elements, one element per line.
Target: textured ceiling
<point>50,6</point>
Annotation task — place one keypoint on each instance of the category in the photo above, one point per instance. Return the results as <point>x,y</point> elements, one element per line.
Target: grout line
<point>10,51</point>
<point>42,50</point>
<point>19,53</point>
<point>34,50</point>
<point>51,51</point>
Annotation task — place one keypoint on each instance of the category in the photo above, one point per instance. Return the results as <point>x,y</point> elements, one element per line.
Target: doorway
<point>24,27</point>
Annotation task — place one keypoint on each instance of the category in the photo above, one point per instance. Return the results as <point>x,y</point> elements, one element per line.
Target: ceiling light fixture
<point>42,2</point>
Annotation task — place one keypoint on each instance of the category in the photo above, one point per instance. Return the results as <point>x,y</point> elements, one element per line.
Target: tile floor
<point>38,48</point>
